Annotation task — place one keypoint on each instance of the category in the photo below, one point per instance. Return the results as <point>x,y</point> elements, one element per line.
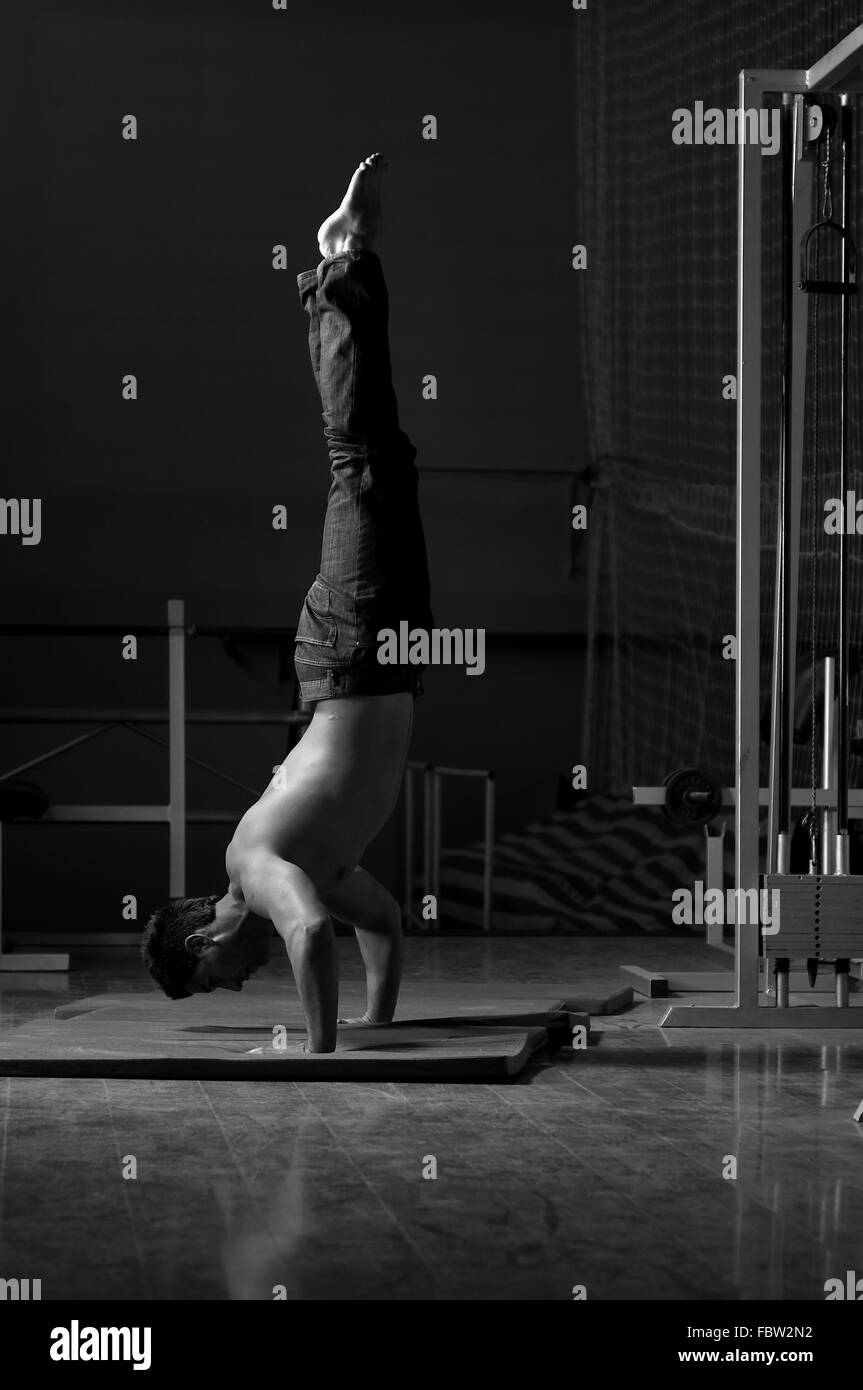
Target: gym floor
<point>601,1168</point>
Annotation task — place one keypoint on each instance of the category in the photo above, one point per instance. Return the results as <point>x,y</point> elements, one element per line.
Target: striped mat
<point>606,868</point>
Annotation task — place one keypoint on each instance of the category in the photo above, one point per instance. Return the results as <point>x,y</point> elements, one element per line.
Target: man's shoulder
<point>245,859</point>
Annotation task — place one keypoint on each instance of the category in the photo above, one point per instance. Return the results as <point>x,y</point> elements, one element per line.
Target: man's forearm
<point>275,888</point>
<point>311,948</point>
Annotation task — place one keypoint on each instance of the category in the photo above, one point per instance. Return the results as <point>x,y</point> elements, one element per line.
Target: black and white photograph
<point>431,674</point>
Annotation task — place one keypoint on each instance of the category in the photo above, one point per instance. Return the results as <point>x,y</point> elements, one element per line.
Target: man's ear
<point>197,943</point>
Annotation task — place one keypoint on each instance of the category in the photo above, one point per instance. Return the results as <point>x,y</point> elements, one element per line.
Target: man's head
<point>195,945</point>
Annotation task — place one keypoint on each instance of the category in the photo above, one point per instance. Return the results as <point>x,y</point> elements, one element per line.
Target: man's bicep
<point>283,892</point>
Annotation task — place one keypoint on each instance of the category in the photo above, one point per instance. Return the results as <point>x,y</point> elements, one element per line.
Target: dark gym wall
<point>154,257</point>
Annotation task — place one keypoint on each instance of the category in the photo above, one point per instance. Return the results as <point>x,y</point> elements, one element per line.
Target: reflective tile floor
<point>610,1168</point>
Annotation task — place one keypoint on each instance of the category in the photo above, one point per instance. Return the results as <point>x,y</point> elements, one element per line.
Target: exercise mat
<point>257,1035</point>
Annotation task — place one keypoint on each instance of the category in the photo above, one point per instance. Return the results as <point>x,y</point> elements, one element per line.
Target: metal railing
<point>432,775</point>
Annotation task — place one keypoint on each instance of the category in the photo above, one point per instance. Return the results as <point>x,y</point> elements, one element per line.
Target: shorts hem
<point>335,685</point>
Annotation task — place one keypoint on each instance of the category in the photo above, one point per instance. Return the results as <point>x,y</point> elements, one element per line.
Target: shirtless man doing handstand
<point>294,861</point>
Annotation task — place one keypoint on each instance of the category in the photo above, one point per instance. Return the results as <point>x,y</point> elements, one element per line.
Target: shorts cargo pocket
<point>317,627</point>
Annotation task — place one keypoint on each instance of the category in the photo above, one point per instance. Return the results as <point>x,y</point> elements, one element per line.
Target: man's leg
<point>373,550</point>
<point>349,313</point>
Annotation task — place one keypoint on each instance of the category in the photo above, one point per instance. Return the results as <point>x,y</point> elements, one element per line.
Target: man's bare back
<point>331,795</point>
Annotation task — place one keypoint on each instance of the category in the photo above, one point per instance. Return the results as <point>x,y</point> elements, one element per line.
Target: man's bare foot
<point>355,224</point>
<point>364,1022</point>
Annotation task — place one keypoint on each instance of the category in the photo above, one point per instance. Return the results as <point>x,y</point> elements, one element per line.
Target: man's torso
<point>332,794</point>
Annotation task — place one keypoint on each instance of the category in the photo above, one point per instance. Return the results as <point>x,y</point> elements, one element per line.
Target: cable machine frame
<point>837,74</point>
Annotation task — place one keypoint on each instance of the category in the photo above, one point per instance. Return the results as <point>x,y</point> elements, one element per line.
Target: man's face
<point>223,965</point>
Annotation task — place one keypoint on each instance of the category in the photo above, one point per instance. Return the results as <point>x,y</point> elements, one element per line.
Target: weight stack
<point>820,917</point>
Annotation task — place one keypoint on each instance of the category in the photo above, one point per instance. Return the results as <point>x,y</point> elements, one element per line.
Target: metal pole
<point>782,975</point>
<point>714,846</point>
<point>427,830</point>
<point>54,752</point>
<point>177,746</point>
<point>843,983</point>
<point>407,904</point>
<point>784,663</point>
<point>436,843</point>
<point>828,755</point>
<point>801,215</point>
<point>841,967</point>
<point>488,863</point>
<point>842,664</point>
<point>748,561</point>
<point>461,771</point>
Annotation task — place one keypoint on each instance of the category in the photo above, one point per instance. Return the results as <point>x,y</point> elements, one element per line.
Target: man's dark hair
<point>163,948</point>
